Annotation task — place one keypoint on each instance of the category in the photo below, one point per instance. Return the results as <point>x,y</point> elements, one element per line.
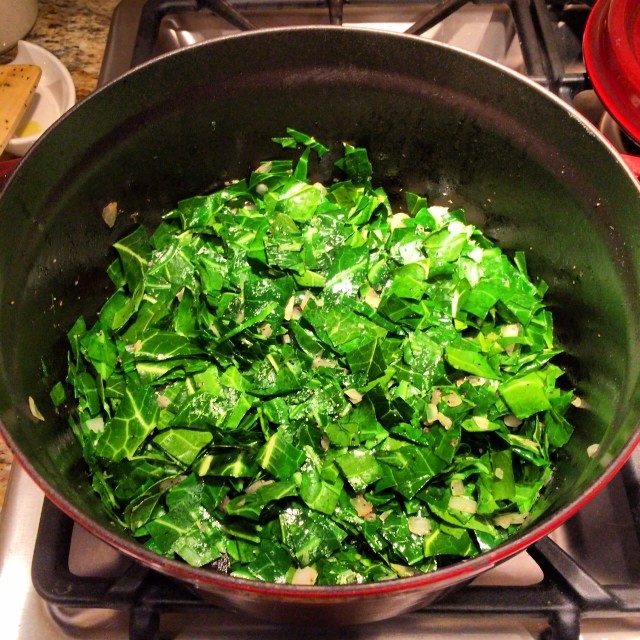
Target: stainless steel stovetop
<point>486,28</point>
<point>602,537</point>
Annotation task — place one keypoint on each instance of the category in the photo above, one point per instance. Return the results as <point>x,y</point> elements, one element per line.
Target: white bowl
<point>54,95</point>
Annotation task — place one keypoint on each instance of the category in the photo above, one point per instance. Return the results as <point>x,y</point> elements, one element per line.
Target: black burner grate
<point>549,33</point>
<point>566,594</point>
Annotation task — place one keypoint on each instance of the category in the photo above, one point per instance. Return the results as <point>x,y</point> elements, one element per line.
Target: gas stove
<point>583,581</point>
<point>63,583</point>
<point>543,42</point>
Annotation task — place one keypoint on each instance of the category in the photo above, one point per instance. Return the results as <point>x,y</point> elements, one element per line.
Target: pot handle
<point>633,162</point>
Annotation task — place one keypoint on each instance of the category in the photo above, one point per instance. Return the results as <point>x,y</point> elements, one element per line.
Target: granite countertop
<point>76,32</point>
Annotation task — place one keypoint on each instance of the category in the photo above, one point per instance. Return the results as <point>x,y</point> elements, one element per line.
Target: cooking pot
<point>531,172</point>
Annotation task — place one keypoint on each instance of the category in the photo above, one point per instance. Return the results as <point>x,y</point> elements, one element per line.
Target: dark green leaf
<point>128,429</point>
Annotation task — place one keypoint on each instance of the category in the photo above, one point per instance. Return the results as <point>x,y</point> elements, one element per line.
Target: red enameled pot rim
<point>7,167</point>
<point>442,578</point>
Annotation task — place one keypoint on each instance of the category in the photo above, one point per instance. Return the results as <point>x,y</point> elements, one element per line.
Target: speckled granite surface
<point>76,32</point>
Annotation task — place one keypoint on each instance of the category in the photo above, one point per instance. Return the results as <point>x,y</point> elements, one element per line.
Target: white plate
<point>54,95</point>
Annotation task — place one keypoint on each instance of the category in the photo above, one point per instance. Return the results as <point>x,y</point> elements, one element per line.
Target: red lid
<point>611,49</point>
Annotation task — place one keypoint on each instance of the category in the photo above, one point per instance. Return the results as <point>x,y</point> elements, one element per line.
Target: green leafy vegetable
<point>293,379</point>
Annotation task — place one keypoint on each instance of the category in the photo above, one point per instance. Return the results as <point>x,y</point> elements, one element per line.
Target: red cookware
<point>461,130</point>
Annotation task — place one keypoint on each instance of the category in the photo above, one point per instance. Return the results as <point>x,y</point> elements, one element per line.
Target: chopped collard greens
<point>293,382</point>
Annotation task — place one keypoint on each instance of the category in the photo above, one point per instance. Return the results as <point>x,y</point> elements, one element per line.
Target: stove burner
<point>565,595</point>
<point>549,37</point>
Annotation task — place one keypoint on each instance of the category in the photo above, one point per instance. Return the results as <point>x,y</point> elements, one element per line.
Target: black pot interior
<point>435,121</point>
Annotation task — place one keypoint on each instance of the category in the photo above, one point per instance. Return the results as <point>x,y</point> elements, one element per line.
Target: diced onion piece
<point>505,520</point>
<point>372,298</point>
<point>265,167</point>
<point>322,362</point>
<point>592,450</point>
<point>445,421</point>
<point>510,330</point>
<point>456,227</point>
<point>432,413</point>
<point>162,401</point>
<point>577,402</point>
<point>457,487</point>
<point>35,412</point>
<point>132,348</point>
<point>266,330</point>
<point>436,396</point>
<point>396,221</point>
<point>511,421</point>
<point>498,472</point>
<point>320,187</point>
<point>452,400</point>
<point>354,395</point>
<point>261,189</point>
<point>325,443</point>
<point>362,506</point>
<point>419,526</point>
<point>95,424</point>
<point>402,570</point>
<point>476,381</point>
<point>305,299</point>
<point>110,213</point>
<point>385,514</point>
<point>482,422</point>
<point>288,310</point>
<point>438,211</point>
<point>463,503</point>
<point>305,576</point>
